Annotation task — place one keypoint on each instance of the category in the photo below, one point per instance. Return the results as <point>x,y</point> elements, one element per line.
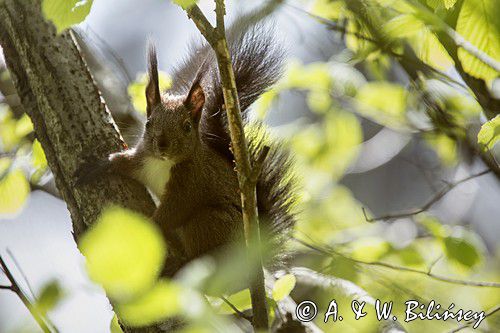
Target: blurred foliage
<point>124,253</point>
<point>283,287</point>
<point>363,89</point>
<point>49,297</point>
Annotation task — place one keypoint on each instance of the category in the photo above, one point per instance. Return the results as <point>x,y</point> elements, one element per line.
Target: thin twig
<point>216,37</point>
<point>442,278</point>
<point>235,309</point>
<point>438,196</point>
<point>487,314</point>
<point>17,290</point>
<point>25,278</point>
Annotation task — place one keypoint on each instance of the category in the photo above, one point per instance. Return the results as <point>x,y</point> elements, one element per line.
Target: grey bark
<point>70,118</point>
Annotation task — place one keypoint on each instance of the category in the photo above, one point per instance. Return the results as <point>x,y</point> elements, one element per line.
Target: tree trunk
<point>70,118</point>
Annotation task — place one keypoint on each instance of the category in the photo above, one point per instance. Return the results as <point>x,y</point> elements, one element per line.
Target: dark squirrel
<point>184,155</point>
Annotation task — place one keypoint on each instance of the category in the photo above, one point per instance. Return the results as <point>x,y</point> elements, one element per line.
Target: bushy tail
<point>257,63</point>
<point>276,192</point>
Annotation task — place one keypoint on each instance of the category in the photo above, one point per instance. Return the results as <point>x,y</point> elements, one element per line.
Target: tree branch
<point>14,287</point>
<point>438,196</point>
<point>216,37</point>
<point>70,118</point>
<point>487,314</point>
<point>330,252</point>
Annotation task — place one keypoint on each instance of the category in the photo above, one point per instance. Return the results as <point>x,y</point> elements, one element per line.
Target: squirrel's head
<point>172,124</point>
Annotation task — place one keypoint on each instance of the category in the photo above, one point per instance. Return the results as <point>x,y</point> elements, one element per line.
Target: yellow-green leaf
<point>383,102</point>
<point>66,13</point>
<point>461,251</point>
<point>124,253</point>
<point>449,3</point>
<point>185,4</point>
<point>50,295</point>
<point>489,133</point>
<point>24,126</point>
<point>14,190</point>
<point>332,10</point>
<point>369,249</point>
<point>39,159</point>
<point>444,147</point>
<point>284,286</point>
<point>479,23</point>
<point>114,326</point>
<point>240,300</point>
<point>162,301</point>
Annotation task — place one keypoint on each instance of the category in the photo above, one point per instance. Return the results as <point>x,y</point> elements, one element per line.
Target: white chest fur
<point>155,174</point>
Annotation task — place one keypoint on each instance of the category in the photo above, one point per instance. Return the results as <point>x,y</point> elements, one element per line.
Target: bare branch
<point>216,37</point>
<point>14,287</point>
<point>487,314</point>
<point>330,252</point>
<point>438,196</point>
<point>235,309</point>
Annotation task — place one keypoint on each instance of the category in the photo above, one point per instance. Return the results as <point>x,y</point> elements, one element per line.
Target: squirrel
<point>184,156</point>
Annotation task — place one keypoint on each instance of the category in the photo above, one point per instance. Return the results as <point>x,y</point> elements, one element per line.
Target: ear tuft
<point>195,101</point>
<point>153,97</point>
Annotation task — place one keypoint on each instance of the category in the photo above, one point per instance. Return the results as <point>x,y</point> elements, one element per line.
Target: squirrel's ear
<point>153,96</point>
<point>195,101</point>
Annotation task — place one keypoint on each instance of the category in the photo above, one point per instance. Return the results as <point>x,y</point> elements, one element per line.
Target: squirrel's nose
<point>162,143</point>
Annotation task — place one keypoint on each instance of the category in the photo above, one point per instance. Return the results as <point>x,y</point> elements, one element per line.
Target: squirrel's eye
<point>187,126</point>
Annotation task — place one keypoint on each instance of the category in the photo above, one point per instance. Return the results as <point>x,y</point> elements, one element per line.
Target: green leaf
<point>241,300</point>
<point>444,147</point>
<point>50,295</point>
<point>185,4</point>
<point>489,133</point>
<point>462,251</point>
<point>425,43</point>
<point>39,159</point>
<point>369,249</point>
<point>14,189</point>
<point>383,102</point>
<point>114,326</point>
<point>283,287</point>
<point>311,76</point>
<point>136,90</point>
<point>264,102</point>
<point>66,13</point>
<point>331,10</point>
<point>24,126</point>
<point>124,253</point>
<point>410,256</point>
<point>162,301</point>
<point>479,23</point>
<point>433,225</point>
<point>13,131</point>
<point>449,3</point>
